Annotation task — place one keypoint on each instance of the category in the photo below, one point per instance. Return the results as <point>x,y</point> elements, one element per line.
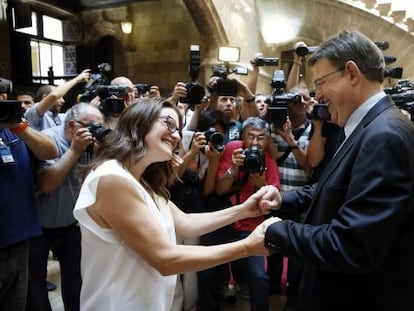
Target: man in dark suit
<point>356,245</point>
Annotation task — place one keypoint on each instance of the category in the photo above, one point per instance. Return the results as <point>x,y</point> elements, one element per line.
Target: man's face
<point>333,88</point>
<point>26,100</point>
<point>255,137</point>
<point>261,105</point>
<point>227,105</point>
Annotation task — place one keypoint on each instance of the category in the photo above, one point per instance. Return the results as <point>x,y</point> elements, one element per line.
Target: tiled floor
<point>55,297</point>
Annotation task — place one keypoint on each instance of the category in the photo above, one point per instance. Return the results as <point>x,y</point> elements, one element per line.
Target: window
<point>46,47</point>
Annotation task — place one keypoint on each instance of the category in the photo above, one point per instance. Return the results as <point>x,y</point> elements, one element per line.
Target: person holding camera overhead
<point>57,190</point>
<point>245,166</point>
<point>46,112</point>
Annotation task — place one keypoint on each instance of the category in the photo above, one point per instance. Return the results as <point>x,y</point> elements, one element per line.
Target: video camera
<point>254,162</point>
<point>101,78</point>
<point>10,111</point>
<point>305,50</point>
<point>279,100</point>
<point>403,95</point>
<point>215,138</point>
<point>110,105</point>
<point>195,91</point>
<point>224,86</point>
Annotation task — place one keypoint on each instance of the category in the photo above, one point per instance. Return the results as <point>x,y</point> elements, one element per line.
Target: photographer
<point>19,145</point>
<point>246,166</point>
<point>57,191</point>
<point>46,112</point>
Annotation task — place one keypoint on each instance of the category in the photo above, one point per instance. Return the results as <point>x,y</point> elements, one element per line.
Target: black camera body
<point>112,106</point>
<point>98,131</point>
<point>403,95</point>
<point>10,111</point>
<point>254,161</point>
<point>278,111</point>
<point>195,91</point>
<point>279,100</point>
<point>320,112</point>
<point>96,80</point>
<point>267,61</point>
<point>143,88</point>
<point>305,50</point>
<point>215,138</point>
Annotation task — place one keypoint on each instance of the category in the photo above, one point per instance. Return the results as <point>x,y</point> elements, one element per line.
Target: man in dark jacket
<point>356,243</point>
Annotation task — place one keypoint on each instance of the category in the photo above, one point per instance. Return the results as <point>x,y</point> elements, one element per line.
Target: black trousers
<point>14,276</point>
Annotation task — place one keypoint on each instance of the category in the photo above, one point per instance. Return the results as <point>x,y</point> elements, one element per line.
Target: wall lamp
<point>126,27</point>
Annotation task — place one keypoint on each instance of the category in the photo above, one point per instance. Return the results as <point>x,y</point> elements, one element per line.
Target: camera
<point>254,161</point>
<point>320,112</point>
<point>6,86</point>
<point>403,95</point>
<point>305,50</point>
<point>195,91</point>
<point>215,138</point>
<point>143,88</point>
<point>278,101</point>
<point>10,111</point>
<point>98,131</point>
<point>267,61</point>
<point>393,72</point>
<point>96,80</point>
<point>112,106</point>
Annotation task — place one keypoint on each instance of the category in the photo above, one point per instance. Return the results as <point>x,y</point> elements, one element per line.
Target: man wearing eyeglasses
<point>245,166</point>
<point>57,190</point>
<point>355,244</point>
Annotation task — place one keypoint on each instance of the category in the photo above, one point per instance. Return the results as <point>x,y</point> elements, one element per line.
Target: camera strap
<point>296,135</point>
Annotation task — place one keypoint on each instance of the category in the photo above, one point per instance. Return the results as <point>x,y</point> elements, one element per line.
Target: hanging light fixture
<point>126,27</point>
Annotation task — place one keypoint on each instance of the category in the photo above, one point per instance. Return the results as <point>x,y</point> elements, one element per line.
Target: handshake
<point>267,198</point>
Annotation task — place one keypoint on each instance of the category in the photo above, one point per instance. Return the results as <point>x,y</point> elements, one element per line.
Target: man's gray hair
<point>256,123</point>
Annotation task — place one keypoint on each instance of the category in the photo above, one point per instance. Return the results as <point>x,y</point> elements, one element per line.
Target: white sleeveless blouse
<point>114,277</point>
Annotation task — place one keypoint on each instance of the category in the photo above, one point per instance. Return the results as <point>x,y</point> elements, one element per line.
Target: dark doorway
<point>110,50</point>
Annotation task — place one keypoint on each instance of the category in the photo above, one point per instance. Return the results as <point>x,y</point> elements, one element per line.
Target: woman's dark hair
<point>126,143</point>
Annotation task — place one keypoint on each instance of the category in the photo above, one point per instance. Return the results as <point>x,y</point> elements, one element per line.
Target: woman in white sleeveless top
<point>129,256</point>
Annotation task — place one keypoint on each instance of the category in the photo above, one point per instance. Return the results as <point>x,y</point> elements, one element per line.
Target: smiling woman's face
<point>163,136</point>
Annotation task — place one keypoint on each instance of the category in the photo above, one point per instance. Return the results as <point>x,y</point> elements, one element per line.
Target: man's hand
<point>81,140</point>
<point>270,198</point>
<point>255,241</point>
<point>267,198</point>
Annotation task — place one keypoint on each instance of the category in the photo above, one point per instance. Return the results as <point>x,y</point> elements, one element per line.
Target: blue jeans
<point>67,243</point>
<point>255,271</point>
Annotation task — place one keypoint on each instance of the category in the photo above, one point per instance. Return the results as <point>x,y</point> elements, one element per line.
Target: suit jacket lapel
<point>383,104</point>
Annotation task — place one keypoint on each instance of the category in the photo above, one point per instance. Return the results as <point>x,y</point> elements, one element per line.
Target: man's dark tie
<point>341,138</point>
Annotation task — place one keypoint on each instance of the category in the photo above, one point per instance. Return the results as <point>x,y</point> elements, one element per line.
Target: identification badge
<point>6,155</point>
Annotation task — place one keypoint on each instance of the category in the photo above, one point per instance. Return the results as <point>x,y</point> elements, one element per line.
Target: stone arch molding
<point>320,20</point>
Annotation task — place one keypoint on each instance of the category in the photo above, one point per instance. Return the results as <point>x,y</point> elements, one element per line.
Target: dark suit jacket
<point>356,245</point>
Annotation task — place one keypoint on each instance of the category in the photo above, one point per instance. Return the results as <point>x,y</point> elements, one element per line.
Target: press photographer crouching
<point>244,167</point>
